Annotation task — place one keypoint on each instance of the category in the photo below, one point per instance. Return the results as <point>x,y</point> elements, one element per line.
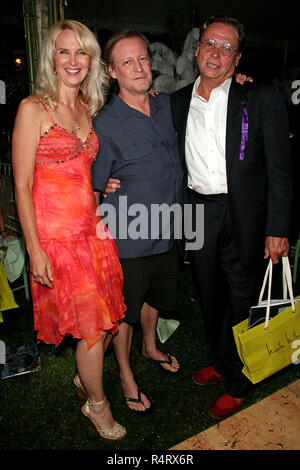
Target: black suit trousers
<point>225,290</point>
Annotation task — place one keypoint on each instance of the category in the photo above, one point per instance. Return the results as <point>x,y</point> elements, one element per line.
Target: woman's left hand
<point>153,92</point>
<point>242,78</point>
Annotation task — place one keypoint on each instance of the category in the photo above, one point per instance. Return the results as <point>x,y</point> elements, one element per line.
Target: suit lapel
<point>186,107</point>
<point>234,122</point>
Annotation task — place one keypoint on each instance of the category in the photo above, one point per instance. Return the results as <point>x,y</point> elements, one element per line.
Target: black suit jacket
<point>260,189</point>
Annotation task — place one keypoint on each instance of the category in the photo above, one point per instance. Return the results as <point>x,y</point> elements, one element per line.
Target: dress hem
<point>113,331</point>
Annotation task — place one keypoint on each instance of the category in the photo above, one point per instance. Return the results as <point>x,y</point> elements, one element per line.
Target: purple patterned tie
<point>244,130</point>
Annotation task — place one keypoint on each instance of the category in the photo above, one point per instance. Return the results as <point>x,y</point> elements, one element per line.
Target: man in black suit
<point>234,146</point>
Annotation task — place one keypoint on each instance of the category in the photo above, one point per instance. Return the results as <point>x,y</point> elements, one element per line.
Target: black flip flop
<point>169,361</point>
<point>137,400</point>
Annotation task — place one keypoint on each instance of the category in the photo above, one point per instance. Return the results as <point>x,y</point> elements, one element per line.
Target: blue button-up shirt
<point>142,152</point>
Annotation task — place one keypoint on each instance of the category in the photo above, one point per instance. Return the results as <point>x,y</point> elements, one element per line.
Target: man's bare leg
<point>149,317</point>
<point>122,346</point>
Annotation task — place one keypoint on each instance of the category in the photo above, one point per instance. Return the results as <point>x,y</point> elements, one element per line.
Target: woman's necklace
<point>77,120</point>
<point>77,123</point>
<point>77,115</point>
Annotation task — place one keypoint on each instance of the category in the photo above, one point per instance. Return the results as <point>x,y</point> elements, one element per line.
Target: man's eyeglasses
<point>226,49</point>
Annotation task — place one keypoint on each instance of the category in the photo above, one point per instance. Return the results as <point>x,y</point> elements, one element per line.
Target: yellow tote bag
<point>272,345</point>
<point>7,300</point>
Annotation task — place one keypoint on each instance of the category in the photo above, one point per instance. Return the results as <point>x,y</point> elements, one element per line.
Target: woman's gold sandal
<point>115,433</point>
<point>78,384</point>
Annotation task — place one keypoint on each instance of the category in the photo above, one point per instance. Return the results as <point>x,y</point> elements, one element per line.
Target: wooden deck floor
<point>273,423</point>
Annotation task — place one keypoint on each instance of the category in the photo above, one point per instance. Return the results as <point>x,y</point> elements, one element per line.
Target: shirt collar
<point>224,88</point>
<point>121,107</point>
<point>125,110</point>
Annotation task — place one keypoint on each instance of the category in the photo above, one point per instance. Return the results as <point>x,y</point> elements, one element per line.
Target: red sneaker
<point>224,406</point>
<point>207,375</point>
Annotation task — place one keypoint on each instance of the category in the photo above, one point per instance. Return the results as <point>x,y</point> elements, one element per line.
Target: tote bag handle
<point>287,286</point>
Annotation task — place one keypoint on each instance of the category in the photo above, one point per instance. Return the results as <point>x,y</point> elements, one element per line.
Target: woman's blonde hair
<point>95,85</point>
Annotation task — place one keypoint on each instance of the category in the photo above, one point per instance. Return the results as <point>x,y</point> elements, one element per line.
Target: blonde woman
<point>76,278</point>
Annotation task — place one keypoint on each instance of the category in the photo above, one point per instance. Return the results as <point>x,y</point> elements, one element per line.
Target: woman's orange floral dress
<point>86,297</point>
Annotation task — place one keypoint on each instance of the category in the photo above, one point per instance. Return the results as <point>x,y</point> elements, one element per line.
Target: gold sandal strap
<point>96,402</point>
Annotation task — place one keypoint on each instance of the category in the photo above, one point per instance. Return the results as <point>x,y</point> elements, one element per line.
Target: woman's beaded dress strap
<point>39,99</point>
<point>61,142</point>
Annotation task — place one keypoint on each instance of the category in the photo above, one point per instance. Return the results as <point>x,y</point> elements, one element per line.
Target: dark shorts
<point>153,279</point>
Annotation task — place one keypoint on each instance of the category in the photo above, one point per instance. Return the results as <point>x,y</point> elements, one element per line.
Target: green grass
<point>41,410</point>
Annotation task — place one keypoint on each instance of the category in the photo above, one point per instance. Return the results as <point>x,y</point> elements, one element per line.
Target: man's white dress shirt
<point>206,140</point>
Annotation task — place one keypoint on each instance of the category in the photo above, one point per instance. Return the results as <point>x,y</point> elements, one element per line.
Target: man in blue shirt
<point>139,147</point>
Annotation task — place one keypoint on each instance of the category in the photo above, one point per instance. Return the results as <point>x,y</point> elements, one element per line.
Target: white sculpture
<point>163,62</point>
<point>185,67</point>
<point>2,92</point>
<point>163,58</point>
<point>174,72</point>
